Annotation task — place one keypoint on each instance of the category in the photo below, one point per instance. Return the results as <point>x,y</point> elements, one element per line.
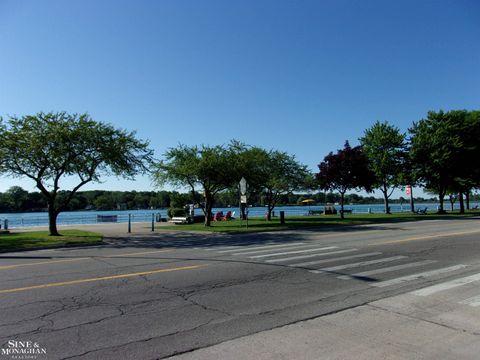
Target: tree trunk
<point>467,199</point>
<point>270,210</point>
<point>52,220</point>
<point>462,207</point>
<point>342,198</point>
<point>450,198</point>
<point>385,199</point>
<point>208,209</point>
<point>441,195</point>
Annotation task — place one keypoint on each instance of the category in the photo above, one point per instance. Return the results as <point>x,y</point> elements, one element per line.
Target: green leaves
<point>49,146</point>
<point>445,150</point>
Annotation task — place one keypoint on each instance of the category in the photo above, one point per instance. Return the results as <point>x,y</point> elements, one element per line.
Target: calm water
<point>91,217</point>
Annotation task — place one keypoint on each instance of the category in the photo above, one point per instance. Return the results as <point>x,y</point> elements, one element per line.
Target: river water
<point>18,220</point>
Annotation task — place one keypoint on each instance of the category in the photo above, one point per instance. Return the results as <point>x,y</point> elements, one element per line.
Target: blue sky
<point>299,76</point>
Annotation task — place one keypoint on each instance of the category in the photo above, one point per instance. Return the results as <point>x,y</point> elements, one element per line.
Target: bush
<point>174,212</point>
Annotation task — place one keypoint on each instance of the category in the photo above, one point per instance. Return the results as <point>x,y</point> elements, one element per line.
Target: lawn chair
<point>218,216</point>
<point>228,216</point>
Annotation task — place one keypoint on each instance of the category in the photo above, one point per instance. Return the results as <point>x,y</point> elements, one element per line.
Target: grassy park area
<point>299,222</point>
<point>40,239</point>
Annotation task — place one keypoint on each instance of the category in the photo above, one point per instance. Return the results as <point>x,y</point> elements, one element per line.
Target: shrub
<point>174,212</point>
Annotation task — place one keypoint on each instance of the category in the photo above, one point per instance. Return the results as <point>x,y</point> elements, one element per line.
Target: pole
<point>153,222</point>
<point>412,205</point>
<point>129,223</point>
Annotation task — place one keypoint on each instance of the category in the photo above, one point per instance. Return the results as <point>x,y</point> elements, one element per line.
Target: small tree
<point>48,147</point>
<point>346,170</point>
<point>384,146</point>
<point>282,174</point>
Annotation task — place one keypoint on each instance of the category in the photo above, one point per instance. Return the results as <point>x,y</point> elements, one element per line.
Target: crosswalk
<point>375,268</point>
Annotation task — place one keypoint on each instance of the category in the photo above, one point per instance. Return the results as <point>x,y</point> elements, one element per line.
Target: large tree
<point>346,170</point>
<point>48,147</point>
<point>212,168</point>
<point>445,152</point>
<point>384,146</point>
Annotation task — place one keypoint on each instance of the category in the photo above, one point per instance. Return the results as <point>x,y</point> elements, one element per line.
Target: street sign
<point>243,199</point>
<point>243,186</point>
<point>408,190</point>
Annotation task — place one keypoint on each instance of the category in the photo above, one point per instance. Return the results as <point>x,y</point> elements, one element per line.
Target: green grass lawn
<point>298,222</point>
<point>41,239</point>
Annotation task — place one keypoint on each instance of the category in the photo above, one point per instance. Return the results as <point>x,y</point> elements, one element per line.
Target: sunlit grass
<point>298,222</point>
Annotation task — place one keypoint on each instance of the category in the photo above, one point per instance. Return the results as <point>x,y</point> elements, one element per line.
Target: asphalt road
<point>152,296</point>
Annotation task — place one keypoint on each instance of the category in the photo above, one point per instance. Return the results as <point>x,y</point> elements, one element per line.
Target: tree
<point>384,146</point>
<point>281,174</point>
<point>347,169</point>
<point>47,147</point>
<point>213,168</point>
<point>17,198</point>
<point>445,151</point>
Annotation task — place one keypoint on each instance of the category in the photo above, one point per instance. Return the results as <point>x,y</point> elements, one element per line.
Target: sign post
<point>409,192</point>
<point>243,200</point>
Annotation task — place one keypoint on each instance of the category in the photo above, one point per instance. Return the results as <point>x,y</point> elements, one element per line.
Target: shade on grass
<point>41,239</point>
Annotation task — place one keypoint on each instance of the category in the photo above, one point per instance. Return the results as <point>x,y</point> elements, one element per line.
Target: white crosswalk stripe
<point>292,252</point>
<point>359,264</point>
<point>417,276</point>
<point>222,248</point>
<point>254,248</point>
<point>316,262</point>
<point>473,301</point>
<point>309,256</point>
<point>387,269</point>
<point>446,285</point>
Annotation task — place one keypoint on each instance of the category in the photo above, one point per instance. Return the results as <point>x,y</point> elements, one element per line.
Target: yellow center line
<point>6,267</point>
<point>426,237</point>
<point>113,277</point>
<point>39,263</point>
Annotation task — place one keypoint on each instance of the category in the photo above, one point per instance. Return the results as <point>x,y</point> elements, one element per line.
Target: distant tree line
<point>16,200</point>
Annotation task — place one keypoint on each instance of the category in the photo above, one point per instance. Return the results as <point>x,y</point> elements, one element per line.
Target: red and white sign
<point>408,190</point>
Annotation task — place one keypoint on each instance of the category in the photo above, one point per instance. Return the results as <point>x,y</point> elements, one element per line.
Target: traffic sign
<point>243,186</point>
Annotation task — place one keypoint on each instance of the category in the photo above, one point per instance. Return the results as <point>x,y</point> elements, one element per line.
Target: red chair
<point>218,216</point>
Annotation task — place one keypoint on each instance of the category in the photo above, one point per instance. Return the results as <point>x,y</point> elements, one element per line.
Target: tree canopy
<point>47,147</point>
<point>280,174</point>
<point>346,170</point>
<point>213,168</point>
<point>445,151</point>
<point>384,146</point>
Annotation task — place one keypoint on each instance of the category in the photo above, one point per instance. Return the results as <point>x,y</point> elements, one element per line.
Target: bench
<point>180,220</point>
<point>107,218</point>
<point>421,211</point>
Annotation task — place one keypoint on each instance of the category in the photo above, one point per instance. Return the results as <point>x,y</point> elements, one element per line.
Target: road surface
<point>151,296</point>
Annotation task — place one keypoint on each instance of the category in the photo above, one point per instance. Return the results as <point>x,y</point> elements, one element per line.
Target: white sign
<point>243,186</point>
<point>243,199</point>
